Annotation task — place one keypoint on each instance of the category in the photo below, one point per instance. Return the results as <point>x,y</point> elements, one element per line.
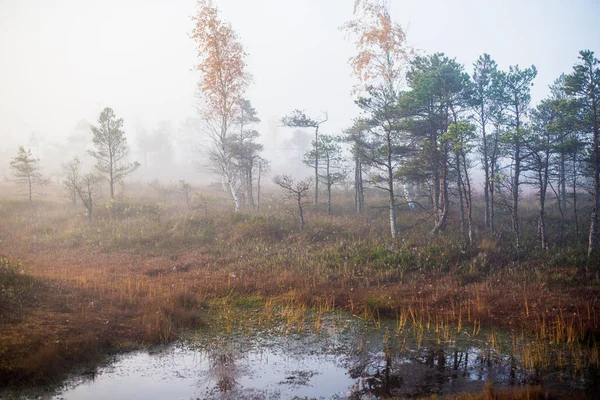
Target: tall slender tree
<point>379,65</point>
<point>482,102</point>
<point>111,149</point>
<point>330,157</point>
<point>438,94</point>
<point>245,148</point>
<point>542,144</point>
<point>222,85</point>
<point>356,136</point>
<point>584,84</point>
<point>513,91</point>
<point>460,136</point>
<point>386,148</point>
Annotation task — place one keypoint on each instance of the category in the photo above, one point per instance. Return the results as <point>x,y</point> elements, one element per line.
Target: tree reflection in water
<point>395,369</point>
<point>224,366</point>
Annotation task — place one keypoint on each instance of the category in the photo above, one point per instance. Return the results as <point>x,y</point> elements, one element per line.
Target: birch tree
<point>385,148</point>
<point>379,65</point>
<point>381,47</point>
<point>222,85</point>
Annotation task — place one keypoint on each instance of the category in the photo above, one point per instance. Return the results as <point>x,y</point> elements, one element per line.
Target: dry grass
<point>524,393</point>
<point>145,275</point>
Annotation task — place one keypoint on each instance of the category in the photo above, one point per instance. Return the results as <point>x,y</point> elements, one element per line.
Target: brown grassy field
<point>141,274</point>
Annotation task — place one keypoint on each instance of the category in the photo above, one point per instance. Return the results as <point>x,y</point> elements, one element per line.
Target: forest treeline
<point>426,129</point>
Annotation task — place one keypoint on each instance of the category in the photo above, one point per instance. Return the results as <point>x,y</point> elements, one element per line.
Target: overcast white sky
<point>65,60</point>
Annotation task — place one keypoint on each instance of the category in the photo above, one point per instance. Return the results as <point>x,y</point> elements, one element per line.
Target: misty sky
<point>65,60</point>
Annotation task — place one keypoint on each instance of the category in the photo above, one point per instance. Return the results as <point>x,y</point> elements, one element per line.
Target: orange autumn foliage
<point>381,45</point>
<point>222,63</point>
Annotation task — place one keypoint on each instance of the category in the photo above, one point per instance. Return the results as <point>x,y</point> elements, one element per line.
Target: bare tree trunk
<point>492,182</point>
<point>231,184</point>
<point>111,177</point>
<point>258,187</point>
<point>249,188</point>
<point>441,225</point>
<point>593,237</point>
<point>460,185</point>
<point>329,183</point>
<point>328,198</point>
<point>392,203</point>
<point>492,208</point>
<point>486,170</point>
<point>542,217</point>
<point>359,197</point>
<point>30,190</point>
<point>300,213</point>
<point>515,213</point>
<point>562,179</point>
<point>575,215</point>
<point>516,183</point>
<point>392,198</point>
<point>558,194</point>
<point>90,201</point>
<point>436,181</point>
<point>469,201</point>
<point>317,165</point>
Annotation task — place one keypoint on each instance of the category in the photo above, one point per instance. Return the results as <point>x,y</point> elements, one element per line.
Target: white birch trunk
<point>231,184</point>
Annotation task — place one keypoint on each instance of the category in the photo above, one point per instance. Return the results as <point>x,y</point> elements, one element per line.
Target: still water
<point>343,359</point>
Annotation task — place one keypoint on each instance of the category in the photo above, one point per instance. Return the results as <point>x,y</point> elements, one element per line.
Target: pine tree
<point>111,149</point>
<point>26,171</point>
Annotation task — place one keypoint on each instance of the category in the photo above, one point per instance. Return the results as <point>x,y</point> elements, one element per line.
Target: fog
<point>63,61</point>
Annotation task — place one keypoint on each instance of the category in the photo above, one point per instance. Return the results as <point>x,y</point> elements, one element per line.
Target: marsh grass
<point>156,272</point>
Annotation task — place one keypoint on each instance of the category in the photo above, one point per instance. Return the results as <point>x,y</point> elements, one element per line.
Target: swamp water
<point>336,356</point>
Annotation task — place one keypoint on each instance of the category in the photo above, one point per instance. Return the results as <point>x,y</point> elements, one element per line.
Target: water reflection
<point>353,363</point>
<point>223,366</point>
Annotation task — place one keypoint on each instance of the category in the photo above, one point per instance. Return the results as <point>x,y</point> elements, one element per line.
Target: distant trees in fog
<point>246,151</point>
<point>326,154</point>
<point>424,121</point>
<point>425,128</point>
<point>26,171</point>
<point>84,187</point>
<point>299,119</point>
